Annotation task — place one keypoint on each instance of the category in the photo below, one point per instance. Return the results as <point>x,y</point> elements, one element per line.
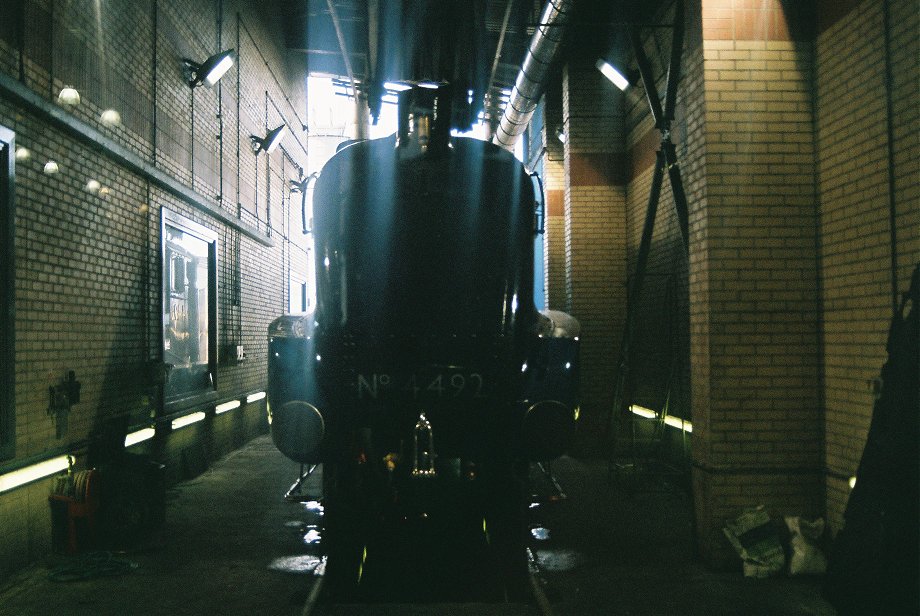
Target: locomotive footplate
<point>448,537</point>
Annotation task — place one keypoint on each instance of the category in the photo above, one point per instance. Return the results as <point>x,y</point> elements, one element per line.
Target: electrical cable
<point>91,565</point>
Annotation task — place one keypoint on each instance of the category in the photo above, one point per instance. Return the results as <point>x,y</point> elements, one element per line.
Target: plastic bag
<point>757,542</point>
<point>805,557</point>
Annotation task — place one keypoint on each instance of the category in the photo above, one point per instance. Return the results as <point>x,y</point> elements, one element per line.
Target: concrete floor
<point>232,545</point>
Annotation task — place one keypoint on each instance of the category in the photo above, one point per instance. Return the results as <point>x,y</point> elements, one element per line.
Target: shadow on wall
<point>132,485</point>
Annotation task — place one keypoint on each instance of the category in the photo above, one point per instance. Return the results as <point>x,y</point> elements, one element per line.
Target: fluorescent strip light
<point>186,420</point>
<point>145,434</point>
<point>227,406</point>
<point>396,86</point>
<point>615,76</point>
<point>34,472</point>
<point>674,422</point>
<point>641,411</point>
<point>255,397</point>
<point>680,424</point>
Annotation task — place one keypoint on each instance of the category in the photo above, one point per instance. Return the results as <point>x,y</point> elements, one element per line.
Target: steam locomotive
<point>425,380</point>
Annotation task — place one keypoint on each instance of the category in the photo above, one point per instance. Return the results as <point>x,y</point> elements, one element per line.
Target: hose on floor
<point>91,565</point>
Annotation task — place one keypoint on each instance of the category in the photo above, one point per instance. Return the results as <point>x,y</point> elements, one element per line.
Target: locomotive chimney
<point>423,454</point>
<point>424,118</point>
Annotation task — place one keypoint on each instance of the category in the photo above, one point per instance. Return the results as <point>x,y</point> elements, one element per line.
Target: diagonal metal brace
<point>666,158</point>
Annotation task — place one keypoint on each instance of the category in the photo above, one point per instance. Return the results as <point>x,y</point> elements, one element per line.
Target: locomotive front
<point>425,367</point>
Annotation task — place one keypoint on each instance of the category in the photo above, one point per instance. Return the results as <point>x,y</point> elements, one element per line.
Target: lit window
<point>189,308</point>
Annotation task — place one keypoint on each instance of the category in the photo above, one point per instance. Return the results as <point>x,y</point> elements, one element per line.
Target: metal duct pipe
<point>532,78</point>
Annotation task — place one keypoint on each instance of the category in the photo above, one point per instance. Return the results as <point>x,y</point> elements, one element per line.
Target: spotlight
<point>397,86</point>
<point>616,76</point>
<point>69,96</point>
<point>209,71</point>
<point>269,142</point>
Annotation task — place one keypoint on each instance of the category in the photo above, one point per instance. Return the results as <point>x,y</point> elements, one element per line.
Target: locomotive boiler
<point>425,379</point>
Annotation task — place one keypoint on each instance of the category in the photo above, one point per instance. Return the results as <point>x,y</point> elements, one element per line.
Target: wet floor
<point>231,544</point>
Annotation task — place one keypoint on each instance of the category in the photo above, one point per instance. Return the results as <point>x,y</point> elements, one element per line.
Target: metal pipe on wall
<point>889,120</point>
<point>531,80</point>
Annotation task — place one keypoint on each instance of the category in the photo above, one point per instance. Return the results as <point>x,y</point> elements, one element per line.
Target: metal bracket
<point>666,159</point>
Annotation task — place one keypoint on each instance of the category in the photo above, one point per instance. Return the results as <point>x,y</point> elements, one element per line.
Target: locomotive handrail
<point>301,187</point>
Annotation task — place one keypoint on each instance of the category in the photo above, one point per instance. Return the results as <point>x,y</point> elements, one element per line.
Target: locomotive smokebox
<point>551,387</point>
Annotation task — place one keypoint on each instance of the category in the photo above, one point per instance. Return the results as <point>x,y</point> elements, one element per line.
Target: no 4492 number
<point>442,384</point>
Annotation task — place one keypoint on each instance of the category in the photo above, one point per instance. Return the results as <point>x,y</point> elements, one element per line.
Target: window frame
<point>7,293</point>
<point>206,392</point>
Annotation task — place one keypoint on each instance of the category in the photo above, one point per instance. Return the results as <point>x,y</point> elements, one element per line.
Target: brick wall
<point>595,236</point>
<point>853,164</point>
<point>88,283</point>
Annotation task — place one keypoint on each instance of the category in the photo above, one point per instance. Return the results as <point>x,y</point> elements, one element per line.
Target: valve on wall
<point>62,396</point>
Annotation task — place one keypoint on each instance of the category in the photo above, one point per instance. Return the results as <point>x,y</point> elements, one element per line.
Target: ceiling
<point>475,45</point>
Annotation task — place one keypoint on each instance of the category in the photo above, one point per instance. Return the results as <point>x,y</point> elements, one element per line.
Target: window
<point>189,311</point>
<point>7,286</point>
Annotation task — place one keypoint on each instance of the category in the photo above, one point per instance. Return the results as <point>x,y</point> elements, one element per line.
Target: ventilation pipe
<point>534,72</point>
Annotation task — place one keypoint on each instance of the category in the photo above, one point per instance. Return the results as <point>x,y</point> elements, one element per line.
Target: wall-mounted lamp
<point>23,154</point>
<point>560,134</point>
<point>51,167</point>
<point>269,142</point>
<point>110,117</point>
<point>209,71</point>
<point>69,96</point>
<point>616,76</point>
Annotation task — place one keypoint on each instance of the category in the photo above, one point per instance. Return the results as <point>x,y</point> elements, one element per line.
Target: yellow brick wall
<point>595,237</point>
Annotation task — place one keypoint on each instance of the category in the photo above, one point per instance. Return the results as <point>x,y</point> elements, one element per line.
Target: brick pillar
<point>595,236</point>
<point>754,348</point>
<point>554,268</point>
